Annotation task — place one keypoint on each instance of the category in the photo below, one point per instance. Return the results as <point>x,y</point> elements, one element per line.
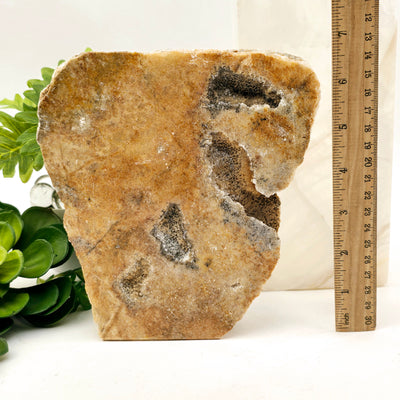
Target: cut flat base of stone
<point>168,166</point>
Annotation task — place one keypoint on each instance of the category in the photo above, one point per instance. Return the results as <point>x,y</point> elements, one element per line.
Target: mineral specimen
<point>168,165</point>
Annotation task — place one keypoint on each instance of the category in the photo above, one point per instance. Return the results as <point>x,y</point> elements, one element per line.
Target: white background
<point>284,348</point>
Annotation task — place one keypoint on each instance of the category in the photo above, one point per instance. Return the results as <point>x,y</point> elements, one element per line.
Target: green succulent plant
<point>31,244</point>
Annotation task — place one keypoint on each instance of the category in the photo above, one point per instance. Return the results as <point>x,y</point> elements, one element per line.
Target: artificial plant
<point>31,244</point>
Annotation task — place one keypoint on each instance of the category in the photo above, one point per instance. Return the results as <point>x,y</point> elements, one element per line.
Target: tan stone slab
<point>168,164</point>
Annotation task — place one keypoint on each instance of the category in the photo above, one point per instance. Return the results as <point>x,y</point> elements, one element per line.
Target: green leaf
<point>70,248</point>
<point>36,84</point>
<point>35,218</point>
<point>29,152</point>
<point>11,267</point>
<point>29,106</point>
<point>3,255</point>
<point>5,325</point>
<point>7,235</point>
<point>12,303</point>
<point>11,123</point>
<point>3,290</point>
<point>15,220</point>
<point>64,287</point>
<point>3,346</point>
<point>7,133</point>
<point>38,162</point>
<point>33,82</point>
<point>88,49</point>
<point>47,74</point>
<point>32,96</point>
<point>30,147</point>
<point>7,144</point>
<point>53,318</point>
<point>38,258</point>
<point>66,258</point>
<point>38,88</point>
<point>27,135</point>
<point>9,165</point>
<point>41,298</point>
<point>58,240</point>
<point>29,117</point>
<point>82,295</point>
<point>16,104</point>
<point>25,167</point>
<point>6,207</point>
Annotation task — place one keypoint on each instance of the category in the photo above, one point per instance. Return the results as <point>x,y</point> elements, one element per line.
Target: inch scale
<point>355,39</point>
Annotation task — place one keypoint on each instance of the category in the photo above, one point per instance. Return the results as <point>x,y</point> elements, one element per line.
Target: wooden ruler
<point>355,132</point>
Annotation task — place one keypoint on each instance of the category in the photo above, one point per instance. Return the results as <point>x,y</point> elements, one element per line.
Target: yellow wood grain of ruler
<point>355,39</point>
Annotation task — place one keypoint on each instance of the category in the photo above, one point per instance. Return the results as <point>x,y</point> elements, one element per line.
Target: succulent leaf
<point>58,240</point>
<point>53,318</point>
<point>34,219</point>
<point>7,235</point>
<point>12,303</point>
<point>38,258</point>
<point>15,220</point>
<point>41,298</point>
<point>3,290</point>
<point>64,288</point>
<point>3,254</point>
<point>11,266</point>
<point>3,346</point>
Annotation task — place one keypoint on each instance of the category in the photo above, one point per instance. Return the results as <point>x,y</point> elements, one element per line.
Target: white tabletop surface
<point>285,347</point>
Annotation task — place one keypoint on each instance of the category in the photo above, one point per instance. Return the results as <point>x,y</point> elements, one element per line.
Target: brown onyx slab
<point>168,166</point>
